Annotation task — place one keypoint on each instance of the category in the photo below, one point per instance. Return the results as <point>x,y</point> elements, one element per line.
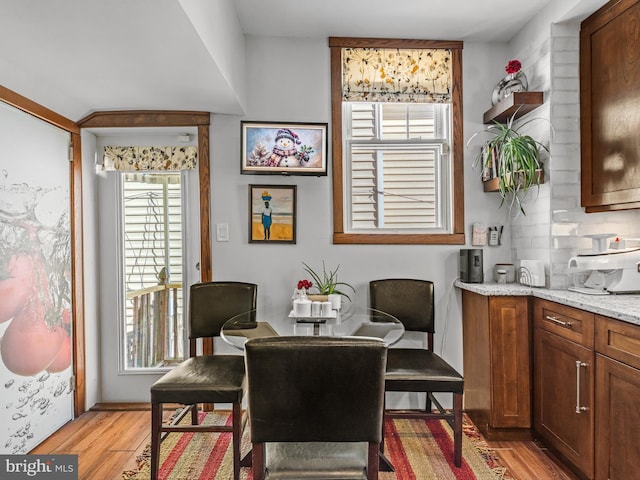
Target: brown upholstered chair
<point>306,393</point>
<point>418,369</point>
<point>205,379</point>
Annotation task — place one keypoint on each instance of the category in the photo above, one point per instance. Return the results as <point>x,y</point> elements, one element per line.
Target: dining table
<point>352,321</point>
<point>348,321</point>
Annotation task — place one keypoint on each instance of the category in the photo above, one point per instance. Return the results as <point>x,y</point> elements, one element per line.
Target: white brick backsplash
<point>564,96</point>
<point>564,229</point>
<point>565,83</point>
<point>566,136</point>
<point>561,177</point>
<point>565,43</point>
<point>564,110</point>
<point>564,57</point>
<point>566,123</point>
<point>566,70</point>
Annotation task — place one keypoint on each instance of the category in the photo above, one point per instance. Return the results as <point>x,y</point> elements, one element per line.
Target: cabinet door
<point>563,398</point>
<point>510,362</point>
<point>617,420</point>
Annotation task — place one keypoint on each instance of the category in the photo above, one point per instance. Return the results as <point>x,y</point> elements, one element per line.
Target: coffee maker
<point>471,270</point>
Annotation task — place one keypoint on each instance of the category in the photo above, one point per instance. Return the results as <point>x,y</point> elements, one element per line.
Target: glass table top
<point>365,322</point>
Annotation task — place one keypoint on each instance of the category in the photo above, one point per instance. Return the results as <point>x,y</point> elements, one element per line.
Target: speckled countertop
<point>622,307</point>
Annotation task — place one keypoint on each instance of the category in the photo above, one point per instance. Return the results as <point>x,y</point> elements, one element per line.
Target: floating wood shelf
<point>493,185</point>
<point>518,103</point>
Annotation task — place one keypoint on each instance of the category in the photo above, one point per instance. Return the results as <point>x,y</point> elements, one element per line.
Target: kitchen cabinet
<point>617,394</point>
<point>496,356</point>
<point>563,382</point>
<point>609,89</point>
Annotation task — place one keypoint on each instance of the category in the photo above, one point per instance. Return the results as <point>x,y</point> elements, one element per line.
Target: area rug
<point>418,450</point>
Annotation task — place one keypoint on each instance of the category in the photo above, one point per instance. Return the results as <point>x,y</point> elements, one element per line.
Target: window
<point>397,148</point>
<point>153,269</point>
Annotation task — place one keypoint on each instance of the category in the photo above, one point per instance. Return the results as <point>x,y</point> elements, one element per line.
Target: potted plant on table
<point>326,282</point>
<point>513,158</point>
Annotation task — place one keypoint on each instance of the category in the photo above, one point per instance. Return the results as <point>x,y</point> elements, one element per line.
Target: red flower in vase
<point>513,66</point>
<point>306,284</point>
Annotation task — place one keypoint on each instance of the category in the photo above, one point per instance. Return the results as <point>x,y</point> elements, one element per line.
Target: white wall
<point>288,80</point>
<point>91,267</point>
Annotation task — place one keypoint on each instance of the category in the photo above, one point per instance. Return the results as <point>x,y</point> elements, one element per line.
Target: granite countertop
<point>625,307</point>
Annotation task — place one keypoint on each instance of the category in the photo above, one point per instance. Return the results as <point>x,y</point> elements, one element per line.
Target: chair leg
<point>156,425</point>
<point>373,461</point>
<point>384,409</point>
<point>457,429</point>
<point>236,425</point>
<point>258,461</point>
<point>194,414</point>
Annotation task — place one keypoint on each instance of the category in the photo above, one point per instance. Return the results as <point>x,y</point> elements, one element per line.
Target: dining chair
<point>315,406</point>
<point>418,369</point>
<point>205,379</point>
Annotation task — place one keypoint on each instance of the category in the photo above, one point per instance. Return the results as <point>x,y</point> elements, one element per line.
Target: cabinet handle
<point>579,364</point>
<point>559,322</point>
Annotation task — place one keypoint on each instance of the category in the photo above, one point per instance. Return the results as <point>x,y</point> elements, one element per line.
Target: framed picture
<point>284,148</point>
<point>272,213</point>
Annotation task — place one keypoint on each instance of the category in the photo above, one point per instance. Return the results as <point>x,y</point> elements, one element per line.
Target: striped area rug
<point>418,449</point>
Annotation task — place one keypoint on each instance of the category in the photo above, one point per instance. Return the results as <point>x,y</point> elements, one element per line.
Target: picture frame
<point>283,148</point>
<point>279,225</point>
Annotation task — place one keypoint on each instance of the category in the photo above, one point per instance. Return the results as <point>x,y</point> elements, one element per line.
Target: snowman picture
<point>284,148</point>
<point>285,151</point>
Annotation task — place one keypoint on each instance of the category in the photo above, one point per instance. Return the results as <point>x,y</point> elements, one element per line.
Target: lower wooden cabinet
<point>496,353</point>
<point>617,400</point>
<point>563,382</point>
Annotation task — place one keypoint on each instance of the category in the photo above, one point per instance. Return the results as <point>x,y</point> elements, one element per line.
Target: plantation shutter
<point>393,181</point>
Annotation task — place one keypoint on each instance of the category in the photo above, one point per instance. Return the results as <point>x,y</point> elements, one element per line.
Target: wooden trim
<point>144,118</point>
<point>77,267</point>
<point>363,42</point>
<point>457,174</point>
<point>206,274</point>
<point>336,141</point>
<point>77,278</point>
<point>32,108</point>
<point>457,153</point>
<point>398,239</point>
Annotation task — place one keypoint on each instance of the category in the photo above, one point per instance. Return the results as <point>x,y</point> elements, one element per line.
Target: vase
<point>513,82</point>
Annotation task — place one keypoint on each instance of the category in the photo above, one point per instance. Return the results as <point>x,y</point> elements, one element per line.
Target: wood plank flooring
<point>108,440</point>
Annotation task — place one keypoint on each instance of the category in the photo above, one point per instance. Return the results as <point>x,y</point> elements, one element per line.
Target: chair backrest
<point>410,301</point>
<point>211,304</point>
<point>316,389</point>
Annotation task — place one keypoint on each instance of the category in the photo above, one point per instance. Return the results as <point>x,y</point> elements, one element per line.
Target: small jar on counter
<point>501,276</point>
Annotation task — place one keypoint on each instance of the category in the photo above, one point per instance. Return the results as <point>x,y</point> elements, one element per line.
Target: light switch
<point>222,232</point>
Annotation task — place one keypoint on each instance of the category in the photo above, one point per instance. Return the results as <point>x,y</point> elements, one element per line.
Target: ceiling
<point>79,56</point>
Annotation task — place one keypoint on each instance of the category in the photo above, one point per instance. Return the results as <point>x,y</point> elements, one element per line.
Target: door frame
<point>171,118</point>
<point>77,257</point>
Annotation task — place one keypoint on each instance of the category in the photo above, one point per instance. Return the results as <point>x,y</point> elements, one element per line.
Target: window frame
<point>457,237</point>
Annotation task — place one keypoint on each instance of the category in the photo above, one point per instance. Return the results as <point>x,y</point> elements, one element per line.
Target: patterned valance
<point>150,158</point>
<point>396,75</point>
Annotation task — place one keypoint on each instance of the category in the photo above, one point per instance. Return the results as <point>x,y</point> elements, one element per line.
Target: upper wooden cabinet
<point>610,108</point>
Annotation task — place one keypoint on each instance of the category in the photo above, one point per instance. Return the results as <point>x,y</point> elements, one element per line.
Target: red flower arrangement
<point>306,284</point>
<point>513,66</point>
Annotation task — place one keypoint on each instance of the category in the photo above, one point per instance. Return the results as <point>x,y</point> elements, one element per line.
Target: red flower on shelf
<point>306,284</point>
<point>513,66</point>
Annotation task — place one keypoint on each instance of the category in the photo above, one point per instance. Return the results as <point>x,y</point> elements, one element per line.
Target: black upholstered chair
<point>319,390</point>
<point>418,369</point>
<point>205,379</point>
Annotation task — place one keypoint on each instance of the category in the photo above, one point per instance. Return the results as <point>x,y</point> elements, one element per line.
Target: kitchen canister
<point>510,272</point>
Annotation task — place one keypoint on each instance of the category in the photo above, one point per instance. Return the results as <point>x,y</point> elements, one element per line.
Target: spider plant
<point>518,160</point>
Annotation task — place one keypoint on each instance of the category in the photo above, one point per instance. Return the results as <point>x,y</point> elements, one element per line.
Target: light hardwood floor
<point>108,439</point>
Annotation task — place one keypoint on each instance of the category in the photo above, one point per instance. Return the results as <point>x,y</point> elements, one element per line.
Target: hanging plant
<point>517,157</point>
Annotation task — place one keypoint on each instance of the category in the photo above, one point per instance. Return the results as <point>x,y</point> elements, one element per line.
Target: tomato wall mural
<point>35,281</point>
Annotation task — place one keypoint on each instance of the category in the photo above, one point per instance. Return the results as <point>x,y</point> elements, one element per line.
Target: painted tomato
<point>15,290</point>
<point>63,359</point>
<point>29,346</point>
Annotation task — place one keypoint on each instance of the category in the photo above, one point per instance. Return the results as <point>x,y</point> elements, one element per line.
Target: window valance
<point>150,158</point>
<point>396,75</point>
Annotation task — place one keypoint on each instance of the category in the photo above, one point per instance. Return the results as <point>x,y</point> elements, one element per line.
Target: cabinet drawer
<point>566,322</point>
<point>618,340</point>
